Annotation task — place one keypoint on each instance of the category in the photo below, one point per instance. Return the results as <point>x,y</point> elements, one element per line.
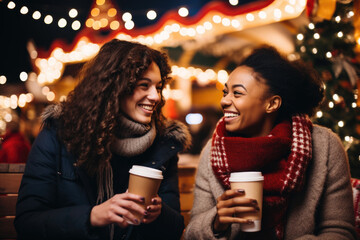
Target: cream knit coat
<point>322,210</point>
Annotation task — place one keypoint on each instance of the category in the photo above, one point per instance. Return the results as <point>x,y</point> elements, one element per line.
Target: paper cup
<point>252,183</point>
<point>145,182</point>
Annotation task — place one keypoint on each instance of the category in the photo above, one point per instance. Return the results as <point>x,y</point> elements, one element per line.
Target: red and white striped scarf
<point>288,147</point>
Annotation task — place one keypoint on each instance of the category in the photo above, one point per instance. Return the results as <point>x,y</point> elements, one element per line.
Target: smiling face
<point>141,105</point>
<point>247,104</point>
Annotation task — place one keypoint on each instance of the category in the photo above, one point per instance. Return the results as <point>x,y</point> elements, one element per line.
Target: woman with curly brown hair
<point>76,178</point>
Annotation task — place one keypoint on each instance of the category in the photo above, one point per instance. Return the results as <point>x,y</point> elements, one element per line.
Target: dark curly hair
<point>299,86</point>
<point>90,113</point>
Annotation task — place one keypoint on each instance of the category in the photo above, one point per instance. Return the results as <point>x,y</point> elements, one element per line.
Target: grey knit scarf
<point>133,138</point>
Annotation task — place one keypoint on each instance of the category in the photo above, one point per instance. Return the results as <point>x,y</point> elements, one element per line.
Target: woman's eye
<point>237,93</point>
<point>224,93</point>
<point>143,85</point>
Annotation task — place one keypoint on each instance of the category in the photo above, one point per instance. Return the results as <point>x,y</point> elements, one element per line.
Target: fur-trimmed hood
<point>173,129</point>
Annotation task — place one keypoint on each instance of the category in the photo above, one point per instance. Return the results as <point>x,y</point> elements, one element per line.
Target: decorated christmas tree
<point>328,43</point>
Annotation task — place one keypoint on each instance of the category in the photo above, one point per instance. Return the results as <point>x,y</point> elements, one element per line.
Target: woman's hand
<point>153,210</point>
<point>230,203</point>
<point>117,210</point>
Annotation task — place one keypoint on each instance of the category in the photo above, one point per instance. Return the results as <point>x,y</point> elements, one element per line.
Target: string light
<point>319,114</point>
<point>73,13</point>
<point>24,10</point>
<point>341,123</point>
<point>300,36</point>
<point>2,79</point>
<point>11,5</point>
<point>234,2</point>
<point>151,15</point>
<point>183,12</point>
<point>48,19</point>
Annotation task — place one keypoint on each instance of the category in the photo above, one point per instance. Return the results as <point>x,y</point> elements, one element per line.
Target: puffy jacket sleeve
<point>38,215</point>
<point>170,223</point>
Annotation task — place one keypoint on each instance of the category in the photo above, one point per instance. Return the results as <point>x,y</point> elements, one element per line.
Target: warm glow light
<point>316,35</point>
<point>112,12</point>
<point>129,25</point>
<point>337,19</point>
<point>328,55</point>
<point>223,76</point>
<point>331,104</point>
<point>23,76</point>
<point>100,2</point>
<point>234,2</point>
<point>314,50</point>
<point>62,23</point>
<point>126,17</point>
<point>262,15</point>
<point>76,25</point>
<point>216,19</point>
<point>300,37</point>
<point>114,25</point>
<point>319,114</point>
<point>183,12</point>
<point>341,123</point>
<point>311,26</point>
<point>340,34</point>
<point>48,19</point>
<point>73,13</point>
<point>277,14</point>
<point>24,10</point>
<point>250,17</point>
<point>11,5</point>
<point>2,79</point>
<point>95,12</point>
<point>151,15</point>
<point>89,23</point>
<point>36,15</point>
<point>104,22</point>
<point>50,96</point>
<point>353,105</point>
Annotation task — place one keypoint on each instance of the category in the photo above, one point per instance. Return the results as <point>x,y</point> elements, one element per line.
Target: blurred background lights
<point>73,13</point>
<point>48,19</point>
<point>11,5</point>
<point>193,118</point>
<point>2,79</point>
<point>36,15</point>
<point>126,17</point>
<point>23,76</point>
<point>183,12</point>
<point>24,10</point>
<point>234,2</point>
<point>151,14</point>
<point>341,124</point>
<point>62,22</point>
<point>76,25</point>
<point>319,114</point>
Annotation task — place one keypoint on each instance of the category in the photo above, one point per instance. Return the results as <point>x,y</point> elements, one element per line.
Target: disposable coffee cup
<point>252,183</point>
<point>145,182</point>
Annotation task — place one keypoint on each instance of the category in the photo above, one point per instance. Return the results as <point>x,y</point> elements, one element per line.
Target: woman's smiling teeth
<point>147,107</point>
<point>230,115</point>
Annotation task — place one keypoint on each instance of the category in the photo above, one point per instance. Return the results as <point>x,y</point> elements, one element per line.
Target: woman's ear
<point>274,103</point>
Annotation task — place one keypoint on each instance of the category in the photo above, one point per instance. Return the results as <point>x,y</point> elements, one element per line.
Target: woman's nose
<point>154,94</point>
<point>225,101</point>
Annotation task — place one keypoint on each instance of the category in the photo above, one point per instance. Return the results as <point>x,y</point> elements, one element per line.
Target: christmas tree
<point>328,43</point>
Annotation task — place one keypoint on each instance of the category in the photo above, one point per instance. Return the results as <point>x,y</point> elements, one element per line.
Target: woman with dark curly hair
<point>307,194</point>
<point>76,177</point>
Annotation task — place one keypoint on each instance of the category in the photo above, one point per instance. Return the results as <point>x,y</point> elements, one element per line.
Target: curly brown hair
<point>90,113</point>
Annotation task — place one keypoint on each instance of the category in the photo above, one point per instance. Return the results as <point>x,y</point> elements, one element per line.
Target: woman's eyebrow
<point>239,85</point>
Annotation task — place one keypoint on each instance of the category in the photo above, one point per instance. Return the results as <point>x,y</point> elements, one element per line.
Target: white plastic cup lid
<point>246,176</point>
<point>146,172</point>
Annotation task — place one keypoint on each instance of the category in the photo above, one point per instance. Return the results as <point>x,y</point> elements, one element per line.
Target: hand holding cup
<point>230,204</point>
